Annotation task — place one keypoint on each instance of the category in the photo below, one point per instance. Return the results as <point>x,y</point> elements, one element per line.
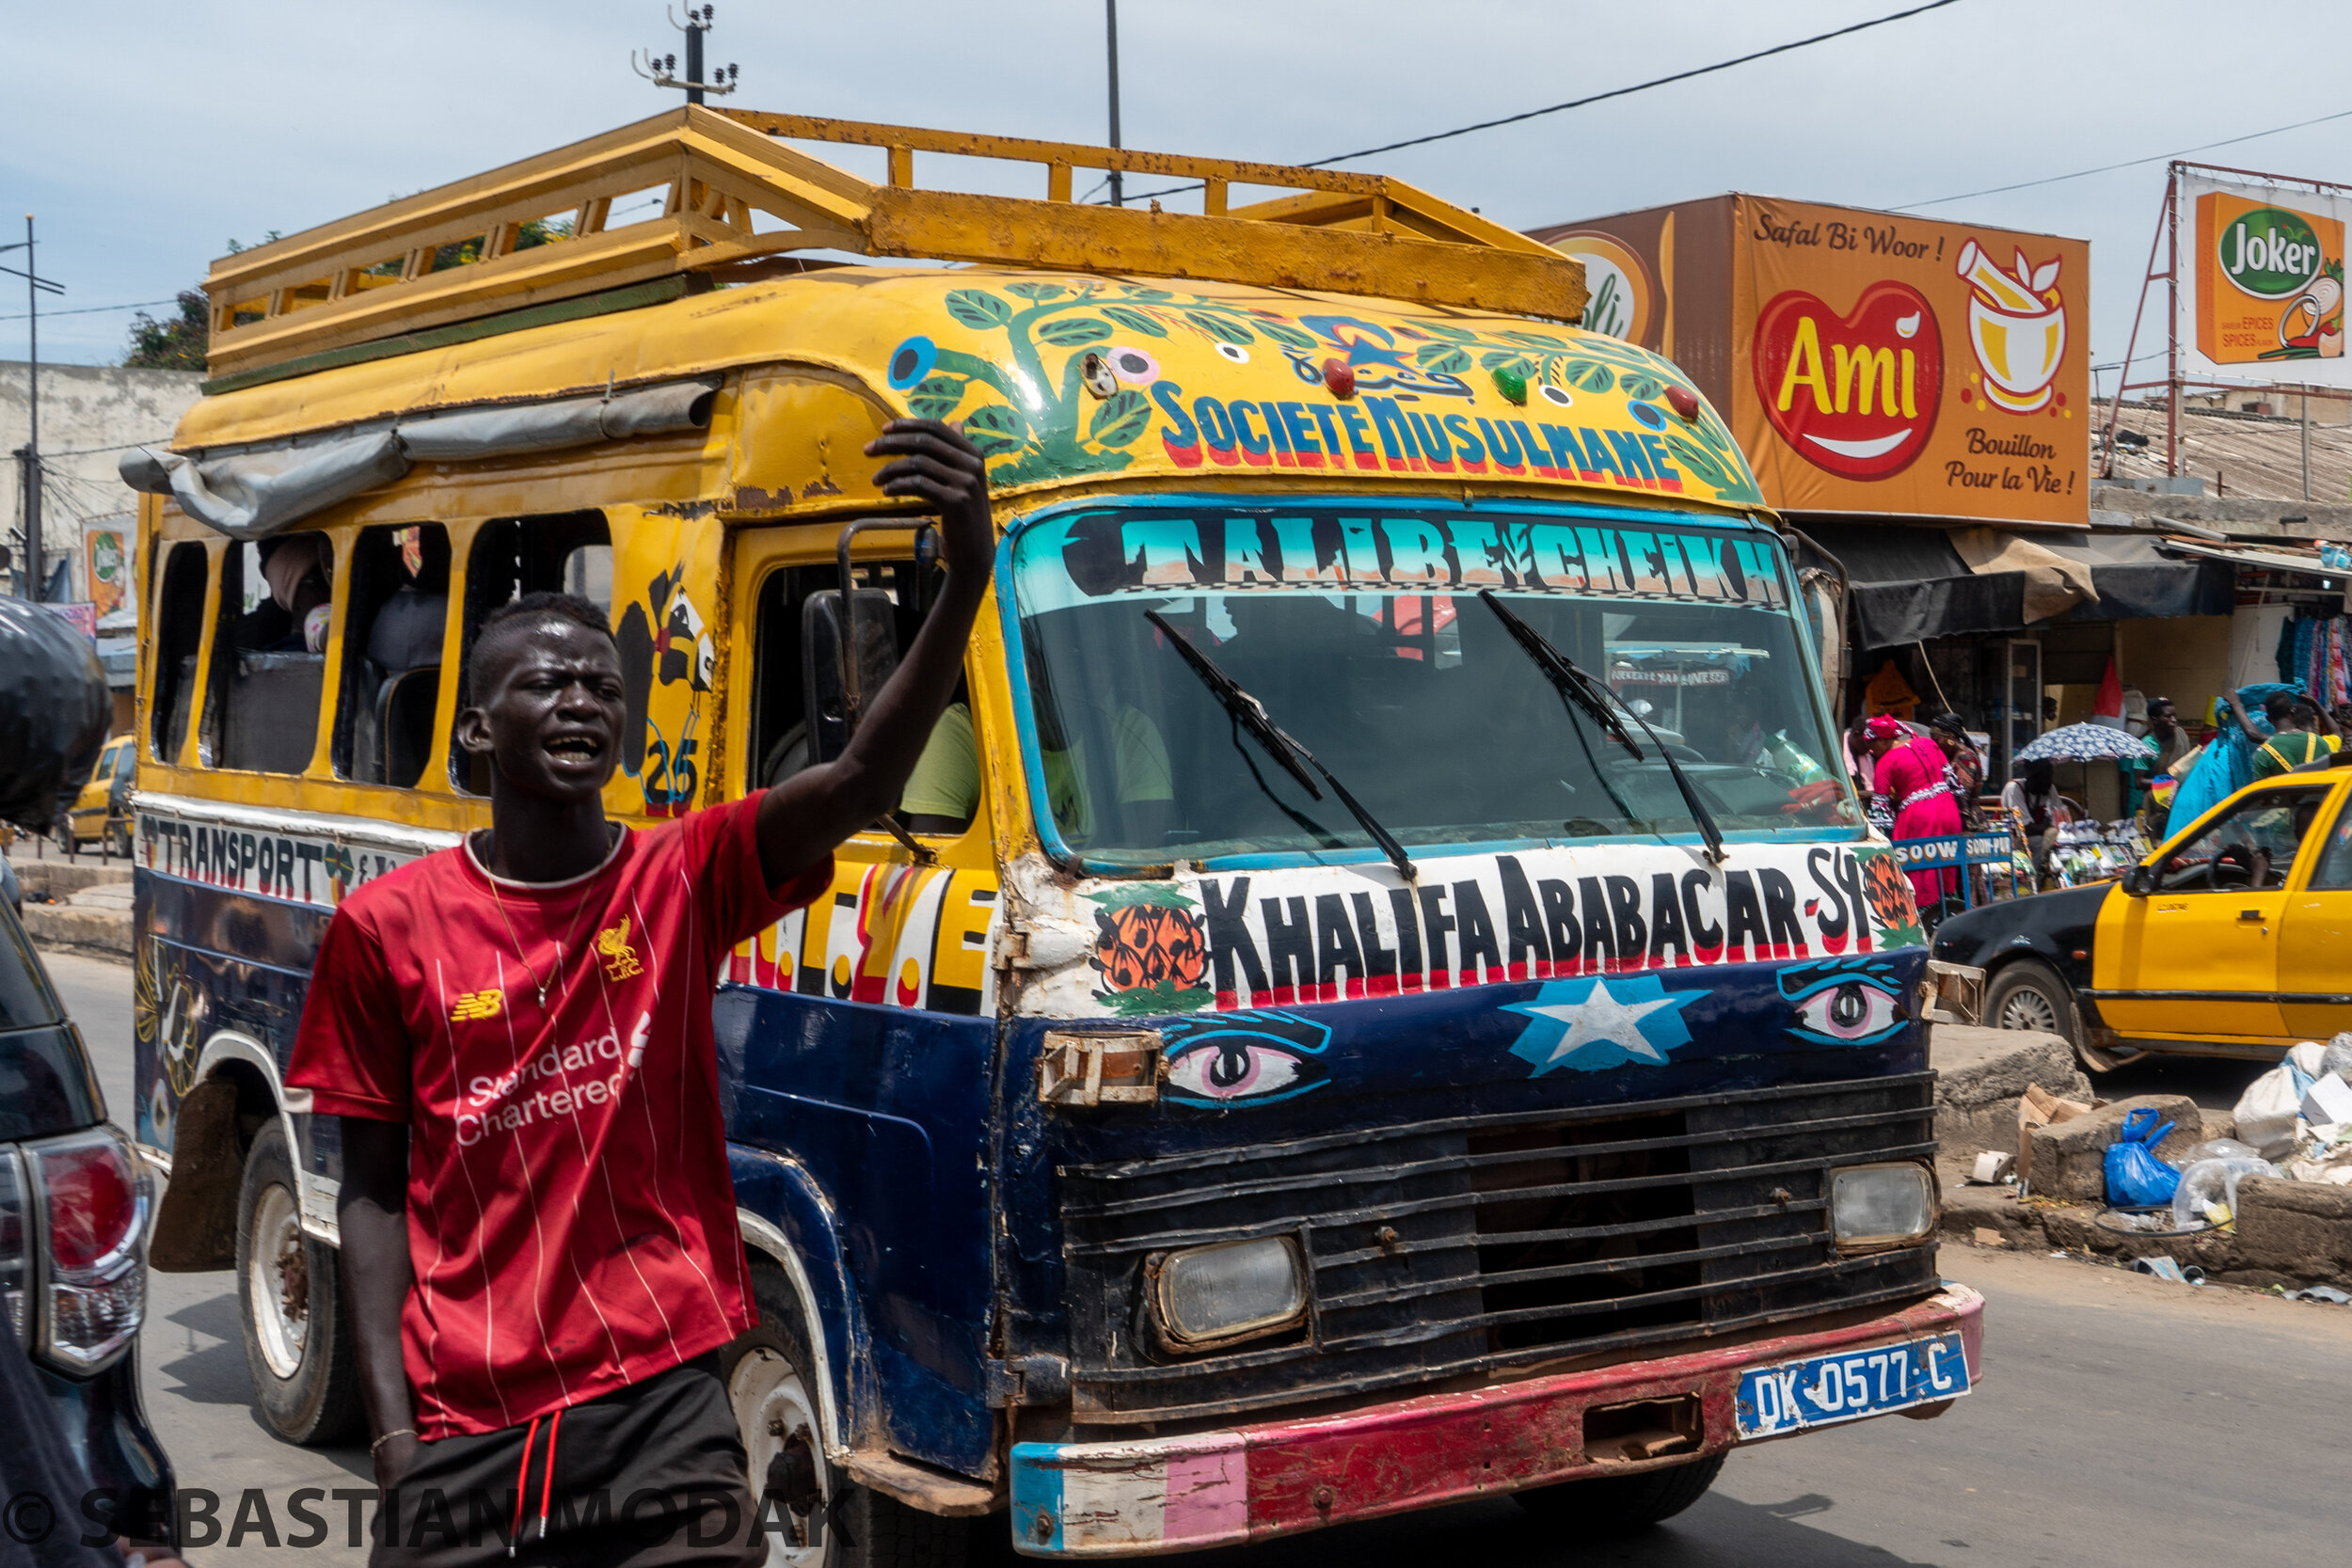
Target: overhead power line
<point>2128,163</point>
<point>93,310</point>
<point>1603,97</point>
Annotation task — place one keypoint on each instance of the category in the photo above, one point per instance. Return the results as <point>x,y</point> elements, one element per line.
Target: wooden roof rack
<point>734,201</point>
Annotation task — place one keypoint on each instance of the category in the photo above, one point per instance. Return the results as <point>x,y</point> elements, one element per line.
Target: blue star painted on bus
<point>1602,1023</point>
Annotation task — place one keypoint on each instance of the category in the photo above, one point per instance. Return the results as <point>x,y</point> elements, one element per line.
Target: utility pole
<point>1110,10</point>
<point>28,455</point>
<point>662,70</point>
<point>2306,441</point>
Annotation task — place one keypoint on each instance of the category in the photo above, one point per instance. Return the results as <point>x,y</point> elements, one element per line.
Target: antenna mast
<point>662,70</point>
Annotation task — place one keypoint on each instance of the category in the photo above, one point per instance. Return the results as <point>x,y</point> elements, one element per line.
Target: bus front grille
<point>1452,1249</point>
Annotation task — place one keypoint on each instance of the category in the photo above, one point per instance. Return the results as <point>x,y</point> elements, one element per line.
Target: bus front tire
<point>1619,1505</point>
<point>772,1382</point>
<point>298,1348</point>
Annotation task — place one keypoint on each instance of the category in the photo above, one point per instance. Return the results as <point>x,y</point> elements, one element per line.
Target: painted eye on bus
<point>1131,365</point>
<point>1245,1059</point>
<point>910,361</point>
<point>1850,1002</point>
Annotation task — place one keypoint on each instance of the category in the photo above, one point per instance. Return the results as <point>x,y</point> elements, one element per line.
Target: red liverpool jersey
<point>571,1223</point>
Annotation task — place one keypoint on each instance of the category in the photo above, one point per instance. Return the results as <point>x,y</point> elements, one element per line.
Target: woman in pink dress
<point>1910,774</point>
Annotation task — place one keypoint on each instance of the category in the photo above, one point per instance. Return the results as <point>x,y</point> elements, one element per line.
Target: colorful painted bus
<point>1378,992</point>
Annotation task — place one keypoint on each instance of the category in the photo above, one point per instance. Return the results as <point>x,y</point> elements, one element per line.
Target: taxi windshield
<point>1361,632</point>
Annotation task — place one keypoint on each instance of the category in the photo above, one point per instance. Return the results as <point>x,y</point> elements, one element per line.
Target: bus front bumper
<point>1253,1482</point>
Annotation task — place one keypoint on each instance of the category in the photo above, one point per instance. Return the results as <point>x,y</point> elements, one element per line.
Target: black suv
<point>73,1205</point>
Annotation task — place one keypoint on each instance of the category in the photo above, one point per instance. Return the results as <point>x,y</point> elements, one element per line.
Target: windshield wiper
<point>1252,715</point>
<point>1571,680</point>
<point>1578,686</point>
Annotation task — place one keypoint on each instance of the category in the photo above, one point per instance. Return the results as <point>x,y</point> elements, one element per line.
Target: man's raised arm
<point>803,819</point>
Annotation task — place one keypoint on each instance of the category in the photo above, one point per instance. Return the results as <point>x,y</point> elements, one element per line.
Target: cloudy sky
<point>146,138</point>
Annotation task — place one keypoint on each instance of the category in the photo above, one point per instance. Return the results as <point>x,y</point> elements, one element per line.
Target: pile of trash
<point>2299,1113</point>
<point>2295,1122</point>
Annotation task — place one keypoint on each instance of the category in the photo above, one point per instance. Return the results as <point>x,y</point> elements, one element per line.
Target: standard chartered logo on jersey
<point>558,1082</point>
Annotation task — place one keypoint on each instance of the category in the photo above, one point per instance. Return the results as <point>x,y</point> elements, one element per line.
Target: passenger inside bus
<point>397,616</point>
<point>261,708</point>
<point>297,571</point>
<point>944,790</point>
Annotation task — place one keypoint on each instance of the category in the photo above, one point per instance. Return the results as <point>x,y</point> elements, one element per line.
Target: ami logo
<point>1853,394</point>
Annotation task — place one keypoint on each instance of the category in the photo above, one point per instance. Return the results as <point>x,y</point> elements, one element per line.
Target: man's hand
<point>803,819</point>
<point>2244,720</point>
<point>933,462</point>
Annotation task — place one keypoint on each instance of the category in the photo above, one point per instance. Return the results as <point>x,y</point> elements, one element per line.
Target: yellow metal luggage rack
<point>534,241</point>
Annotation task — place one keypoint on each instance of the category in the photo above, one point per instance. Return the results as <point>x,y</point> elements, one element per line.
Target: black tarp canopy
<point>1910,584</point>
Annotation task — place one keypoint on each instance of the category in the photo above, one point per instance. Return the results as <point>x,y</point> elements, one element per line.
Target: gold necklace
<point>555,970</point>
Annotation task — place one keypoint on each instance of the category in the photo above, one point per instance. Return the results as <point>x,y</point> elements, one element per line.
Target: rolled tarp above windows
<point>1910,584</point>
<point>253,494</point>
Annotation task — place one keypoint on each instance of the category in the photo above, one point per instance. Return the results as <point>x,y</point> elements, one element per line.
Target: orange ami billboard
<point>1871,362</point>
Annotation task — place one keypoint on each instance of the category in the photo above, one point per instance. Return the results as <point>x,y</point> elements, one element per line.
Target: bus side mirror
<point>825,694</point>
<point>2139,880</point>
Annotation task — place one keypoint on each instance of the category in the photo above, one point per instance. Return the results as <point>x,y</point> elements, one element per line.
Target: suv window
<point>2251,847</point>
<point>269,660</point>
<point>45,1080</point>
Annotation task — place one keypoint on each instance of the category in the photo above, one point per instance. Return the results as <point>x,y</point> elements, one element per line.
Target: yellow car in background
<point>2234,938</point>
<point>101,813</point>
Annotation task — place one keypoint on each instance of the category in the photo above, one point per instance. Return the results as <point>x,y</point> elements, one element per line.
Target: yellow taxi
<point>2226,941</point>
<point>101,814</point>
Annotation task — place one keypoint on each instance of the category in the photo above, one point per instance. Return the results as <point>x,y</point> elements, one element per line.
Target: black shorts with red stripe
<point>649,1474</point>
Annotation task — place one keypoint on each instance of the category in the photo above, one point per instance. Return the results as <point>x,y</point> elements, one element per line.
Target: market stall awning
<point>1910,584</point>
<point>2273,559</point>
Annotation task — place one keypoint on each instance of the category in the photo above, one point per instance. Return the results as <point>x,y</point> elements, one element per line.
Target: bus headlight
<point>1879,1206</point>
<point>1210,1295</point>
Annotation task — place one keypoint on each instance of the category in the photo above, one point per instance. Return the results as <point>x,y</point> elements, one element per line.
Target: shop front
<point>1913,396</point>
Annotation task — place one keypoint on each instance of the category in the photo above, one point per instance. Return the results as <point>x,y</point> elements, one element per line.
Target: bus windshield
<point>1361,629</point>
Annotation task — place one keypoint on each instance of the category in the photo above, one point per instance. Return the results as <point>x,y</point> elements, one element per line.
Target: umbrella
<point>2087,743</point>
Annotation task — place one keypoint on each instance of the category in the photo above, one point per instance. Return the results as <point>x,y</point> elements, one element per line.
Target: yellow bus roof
<point>1065,377</point>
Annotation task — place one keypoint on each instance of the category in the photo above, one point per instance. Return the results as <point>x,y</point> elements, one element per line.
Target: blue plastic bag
<point>2228,765</point>
<point>2135,1178</point>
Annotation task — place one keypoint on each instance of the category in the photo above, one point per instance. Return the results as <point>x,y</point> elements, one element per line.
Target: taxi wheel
<point>1619,1505</point>
<point>2026,993</point>
<point>829,1521</point>
<point>298,1348</point>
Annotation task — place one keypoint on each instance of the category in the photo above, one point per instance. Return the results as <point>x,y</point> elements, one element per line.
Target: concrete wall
<point>2186,658</point>
<point>89,414</point>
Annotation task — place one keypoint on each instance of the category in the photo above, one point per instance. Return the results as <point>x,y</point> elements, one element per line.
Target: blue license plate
<point>1775,1401</point>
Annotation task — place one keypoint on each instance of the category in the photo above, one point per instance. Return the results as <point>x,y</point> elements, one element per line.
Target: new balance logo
<point>477,1004</point>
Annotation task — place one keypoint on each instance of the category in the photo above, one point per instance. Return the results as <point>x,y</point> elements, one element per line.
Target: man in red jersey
<point>539,1245</point>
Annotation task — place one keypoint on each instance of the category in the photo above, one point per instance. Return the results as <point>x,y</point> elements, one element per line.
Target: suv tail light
<point>93,1282</point>
<point>16,1251</point>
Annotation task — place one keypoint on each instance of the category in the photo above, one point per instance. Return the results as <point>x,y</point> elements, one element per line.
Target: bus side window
<point>780,745</point>
<point>180,631</point>
<point>513,556</point>
<point>394,613</point>
<point>269,663</point>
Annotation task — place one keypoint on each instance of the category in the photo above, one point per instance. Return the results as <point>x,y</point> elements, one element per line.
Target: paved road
<point>2123,1421</point>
